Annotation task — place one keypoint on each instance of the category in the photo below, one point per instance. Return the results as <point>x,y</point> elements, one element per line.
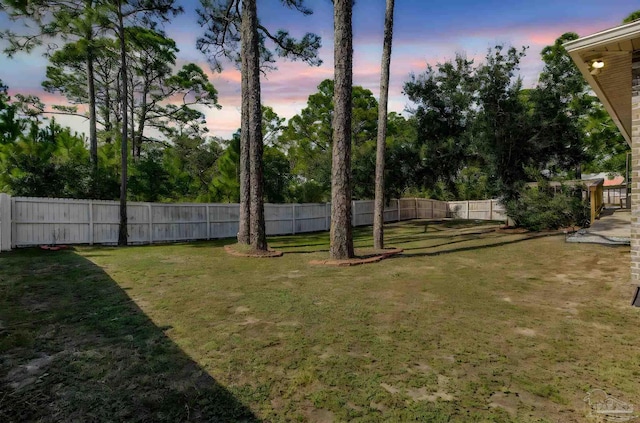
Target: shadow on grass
<point>75,347</point>
<point>437,232</point>
<point>475,247</point>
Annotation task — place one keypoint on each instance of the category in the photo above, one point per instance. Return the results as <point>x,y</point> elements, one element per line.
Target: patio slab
<point>613,227</point>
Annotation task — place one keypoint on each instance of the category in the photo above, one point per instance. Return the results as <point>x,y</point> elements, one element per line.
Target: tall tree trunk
<point>245,171</point>
<point>141,122</point>
<point>250,33</point>
<point>122,233</point>
<point>341,232</point>
<point>91,91</point>
<point>378,214</point>
<point>132,121</point>
<point>118,99</point>
<point>107,115</point>
<point>91,87</point>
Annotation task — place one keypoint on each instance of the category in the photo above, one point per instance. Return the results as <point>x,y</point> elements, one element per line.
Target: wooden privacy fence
<point>477,210</point>
<point>35,221</point>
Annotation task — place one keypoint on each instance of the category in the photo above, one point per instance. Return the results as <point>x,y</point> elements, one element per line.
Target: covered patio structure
<point>610,62</point>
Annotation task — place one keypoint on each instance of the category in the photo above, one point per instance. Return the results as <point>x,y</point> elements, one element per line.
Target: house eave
<point>611,42</point>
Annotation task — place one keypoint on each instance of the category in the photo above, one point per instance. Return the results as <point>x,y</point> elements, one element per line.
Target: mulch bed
<point>362,257</point>
<point>234,251</point>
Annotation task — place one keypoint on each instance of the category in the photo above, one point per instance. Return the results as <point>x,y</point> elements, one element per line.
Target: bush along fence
<point>28,221</point>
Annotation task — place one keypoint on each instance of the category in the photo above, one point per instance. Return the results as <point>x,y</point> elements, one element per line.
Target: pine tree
<point>341,246</point>
<point>378,213</point>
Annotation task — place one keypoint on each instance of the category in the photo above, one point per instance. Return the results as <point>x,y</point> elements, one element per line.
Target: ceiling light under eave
<point>597,64</point>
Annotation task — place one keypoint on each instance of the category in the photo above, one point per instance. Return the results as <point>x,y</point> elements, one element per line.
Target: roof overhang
<point>612,84</point>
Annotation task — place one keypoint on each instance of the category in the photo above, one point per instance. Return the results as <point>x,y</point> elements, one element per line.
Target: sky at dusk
<point>424,32</point>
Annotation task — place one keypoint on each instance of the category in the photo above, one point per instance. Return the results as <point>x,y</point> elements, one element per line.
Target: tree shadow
<point>460,239</point>
<point>474,247</point>
<point>75,347</point>
<point>436,235</point>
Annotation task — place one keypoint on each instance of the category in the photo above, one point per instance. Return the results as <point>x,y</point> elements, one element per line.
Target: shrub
<point>539,208</point>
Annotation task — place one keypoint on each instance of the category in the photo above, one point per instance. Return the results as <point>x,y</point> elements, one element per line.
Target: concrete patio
<point>613,228</point>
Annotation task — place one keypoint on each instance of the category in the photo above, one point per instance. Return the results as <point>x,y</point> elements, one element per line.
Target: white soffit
<point>615,47</point>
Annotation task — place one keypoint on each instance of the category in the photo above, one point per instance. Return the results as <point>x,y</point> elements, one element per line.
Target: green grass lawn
<point>469,324</point>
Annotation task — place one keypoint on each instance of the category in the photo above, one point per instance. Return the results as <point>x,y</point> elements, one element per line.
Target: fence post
<point>327,215</point>
<point>354,217</point>
<point>5,222</point>
<point>150,223</point>
<point>490,209</point>
<point>90,222</point>
<point>399,215</point>
<point>293,219</point>
<point>468,210</point>
<point>208,223</point>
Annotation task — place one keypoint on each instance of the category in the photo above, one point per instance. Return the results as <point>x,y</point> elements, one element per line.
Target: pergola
<point>610,62</point>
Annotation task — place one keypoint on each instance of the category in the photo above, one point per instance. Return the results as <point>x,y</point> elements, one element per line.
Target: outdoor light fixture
<point>596,66</point>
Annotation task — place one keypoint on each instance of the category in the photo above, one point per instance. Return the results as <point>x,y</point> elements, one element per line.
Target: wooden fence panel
<point>390,212</point>
<point>278,219</point>
<point>440,209</point>
<point>479,210</point>
<point>35,221</point>
<point>177,222</point>
<point>407,208</point>
<point>311,217</point>
<point>223,220</point>
<point>106,217</point>
<point>459,209</point>
<point>363,212</point>
<point>49,221</point>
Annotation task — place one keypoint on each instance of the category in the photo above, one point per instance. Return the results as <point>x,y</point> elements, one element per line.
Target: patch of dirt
<point>508,402</point>
<point>27,374</point>
<point>320,416</point>
<point>361,258</point>
<point>526,332</point>
<point>240,251</point>
<point>241,309</point>
<point>385,338</point>
<point>600,326</point>
<point>390,389</point>
<point>421,368</point>
<point>431,298</point>
<point>443,381</point>
<point>326,354</point>
<point>423,394</point>
<point>354,407</point>
<point>229,294</point>
<point>377,406</point>
<point>569,307</point>
<point>507,299</point>
<point>250,321</point>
